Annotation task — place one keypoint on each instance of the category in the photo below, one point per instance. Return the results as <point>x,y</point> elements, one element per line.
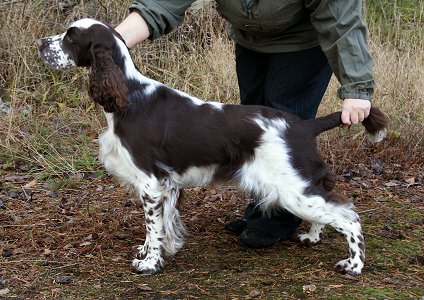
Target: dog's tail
<point>375,124</point>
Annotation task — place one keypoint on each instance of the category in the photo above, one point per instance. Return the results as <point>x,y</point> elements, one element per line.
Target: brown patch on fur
<point>136,253</point>
<point>329,181</point>
<point>336,197</point>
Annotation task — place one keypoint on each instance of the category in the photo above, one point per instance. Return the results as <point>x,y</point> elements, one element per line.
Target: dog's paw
<point>347,266</point>
<point>308,240</point>
<point>146,266</point>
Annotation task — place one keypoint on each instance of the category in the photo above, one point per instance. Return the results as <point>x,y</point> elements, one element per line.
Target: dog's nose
<point>40,44</point>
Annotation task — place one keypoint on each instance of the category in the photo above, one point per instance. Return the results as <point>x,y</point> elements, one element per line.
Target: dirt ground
<point>75,242</point>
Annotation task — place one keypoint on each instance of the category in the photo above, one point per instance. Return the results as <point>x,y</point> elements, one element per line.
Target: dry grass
<point>397,47</point>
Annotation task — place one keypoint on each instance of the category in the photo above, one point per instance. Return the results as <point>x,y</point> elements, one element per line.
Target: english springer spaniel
<point>160,140</point>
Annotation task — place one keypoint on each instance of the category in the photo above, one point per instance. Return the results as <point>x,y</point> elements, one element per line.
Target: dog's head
<point>90,43</point>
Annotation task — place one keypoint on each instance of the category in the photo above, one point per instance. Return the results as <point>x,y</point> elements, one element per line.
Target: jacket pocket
<point>267,16</point>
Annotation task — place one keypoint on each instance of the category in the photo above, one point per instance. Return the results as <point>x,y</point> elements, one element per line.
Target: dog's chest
<point>118,161</point>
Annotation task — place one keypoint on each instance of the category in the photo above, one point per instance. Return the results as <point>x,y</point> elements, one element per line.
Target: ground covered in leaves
<point>74,241</point>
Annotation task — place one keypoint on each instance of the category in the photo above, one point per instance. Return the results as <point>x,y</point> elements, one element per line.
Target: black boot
<point>259,231</point>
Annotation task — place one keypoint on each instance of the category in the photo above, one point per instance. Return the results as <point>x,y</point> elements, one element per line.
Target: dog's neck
<point>137,83</point>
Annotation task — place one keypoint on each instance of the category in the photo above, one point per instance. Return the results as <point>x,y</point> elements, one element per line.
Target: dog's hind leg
<point>164,228</point>
<point>351,229</point>
<point>319,212</point>
<point>346,221</point>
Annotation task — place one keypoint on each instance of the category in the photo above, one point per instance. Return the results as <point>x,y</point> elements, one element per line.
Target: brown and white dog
<point>160,140</point>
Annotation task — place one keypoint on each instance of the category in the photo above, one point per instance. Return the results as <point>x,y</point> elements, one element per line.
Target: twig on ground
<point>368,210</point>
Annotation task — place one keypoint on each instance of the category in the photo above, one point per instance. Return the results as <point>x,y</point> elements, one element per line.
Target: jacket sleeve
<point>161,16</point>
<point>342,34</point>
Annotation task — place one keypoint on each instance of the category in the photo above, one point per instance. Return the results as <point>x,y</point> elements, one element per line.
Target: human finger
<point>354,118</point>
<point>367,113</point>
<point>361,116</point>
<point>346,117</point>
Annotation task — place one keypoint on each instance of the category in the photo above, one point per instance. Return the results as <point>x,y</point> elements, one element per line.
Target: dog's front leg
<point>149,257</point>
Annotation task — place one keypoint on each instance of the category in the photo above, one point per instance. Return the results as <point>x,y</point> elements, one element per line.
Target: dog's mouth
<point>51,53</point>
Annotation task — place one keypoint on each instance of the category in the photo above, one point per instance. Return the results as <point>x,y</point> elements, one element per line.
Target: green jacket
<point>284,26</point>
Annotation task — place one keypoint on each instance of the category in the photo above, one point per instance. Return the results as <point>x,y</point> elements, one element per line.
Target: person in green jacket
<point>286,52</point>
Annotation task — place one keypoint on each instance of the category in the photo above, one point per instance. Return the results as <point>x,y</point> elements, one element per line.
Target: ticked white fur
<point>62,59</point>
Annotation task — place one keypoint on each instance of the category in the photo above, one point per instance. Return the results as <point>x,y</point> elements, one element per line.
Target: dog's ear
<point>107,82</point>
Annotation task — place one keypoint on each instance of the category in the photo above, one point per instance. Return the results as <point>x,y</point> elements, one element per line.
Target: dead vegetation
<point>75,243</point>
